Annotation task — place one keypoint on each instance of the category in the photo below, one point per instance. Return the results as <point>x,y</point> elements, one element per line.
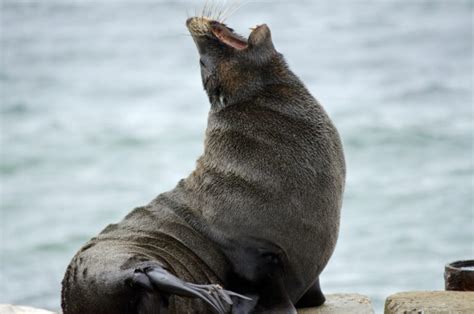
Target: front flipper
<point>312,297</point>
<point>259,270</point>
<point>154,278</point>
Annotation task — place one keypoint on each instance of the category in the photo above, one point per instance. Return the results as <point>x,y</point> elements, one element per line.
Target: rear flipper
<point>157,280</point>
<point>106,279</point>
<point>312,297</point>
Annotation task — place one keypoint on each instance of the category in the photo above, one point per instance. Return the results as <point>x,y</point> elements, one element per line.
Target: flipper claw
<point>163,281</point>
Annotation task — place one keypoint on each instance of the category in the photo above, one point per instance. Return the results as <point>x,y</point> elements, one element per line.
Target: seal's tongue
<point>226,36</point>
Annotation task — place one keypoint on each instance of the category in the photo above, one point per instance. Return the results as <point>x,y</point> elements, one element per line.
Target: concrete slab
<point>342,303</point>
<point>430,302</point>
<point>339,303</point>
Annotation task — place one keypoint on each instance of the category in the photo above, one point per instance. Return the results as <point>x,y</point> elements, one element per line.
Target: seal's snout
<point>188,21</point>
<point>201,27</point>
<point>198,26</point>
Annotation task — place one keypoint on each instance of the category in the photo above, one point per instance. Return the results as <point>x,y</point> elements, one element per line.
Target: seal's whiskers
<point>220,10</point>
<point>231,9</point>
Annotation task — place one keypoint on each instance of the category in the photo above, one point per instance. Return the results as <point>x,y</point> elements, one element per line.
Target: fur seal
<point>253,226</point>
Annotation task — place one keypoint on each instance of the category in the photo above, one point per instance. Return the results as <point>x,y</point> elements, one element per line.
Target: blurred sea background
<point>102,109</point>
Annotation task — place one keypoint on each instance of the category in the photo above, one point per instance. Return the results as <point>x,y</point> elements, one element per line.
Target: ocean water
<point>102,109</point>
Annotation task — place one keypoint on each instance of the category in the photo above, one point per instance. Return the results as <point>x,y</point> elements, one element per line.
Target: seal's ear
<point>261,37</point>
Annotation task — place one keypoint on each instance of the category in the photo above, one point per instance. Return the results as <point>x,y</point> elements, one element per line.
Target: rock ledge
<point>342,303</point>
<point>339,303</point>
<point>430,302</point>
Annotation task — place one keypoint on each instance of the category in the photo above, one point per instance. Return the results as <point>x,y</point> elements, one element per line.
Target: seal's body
<point>259,215</point>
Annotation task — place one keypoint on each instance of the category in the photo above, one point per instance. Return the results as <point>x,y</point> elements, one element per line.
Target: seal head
<point>231,65</point>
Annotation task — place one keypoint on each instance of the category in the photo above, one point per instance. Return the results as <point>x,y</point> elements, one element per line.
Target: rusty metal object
<point>459,276</point>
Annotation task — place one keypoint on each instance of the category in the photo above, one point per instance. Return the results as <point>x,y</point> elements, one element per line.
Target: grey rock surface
<point>342,303</point>
<point>430,302</point>
<point>339,303</point>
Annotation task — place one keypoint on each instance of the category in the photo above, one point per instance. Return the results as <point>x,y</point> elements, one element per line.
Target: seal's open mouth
<point>227,36</point>
<point>202,26</point>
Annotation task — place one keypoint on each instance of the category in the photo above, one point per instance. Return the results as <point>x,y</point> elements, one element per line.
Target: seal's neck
<point>245,83</point>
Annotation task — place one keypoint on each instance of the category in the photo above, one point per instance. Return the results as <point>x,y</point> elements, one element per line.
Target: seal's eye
<point>201,63</point>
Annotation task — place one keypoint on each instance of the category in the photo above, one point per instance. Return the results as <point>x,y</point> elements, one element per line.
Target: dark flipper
<point>274,298</point>
<point>156,278</point>
<point>269,296</point>
<point>259,271</point>
<point>312,297</point>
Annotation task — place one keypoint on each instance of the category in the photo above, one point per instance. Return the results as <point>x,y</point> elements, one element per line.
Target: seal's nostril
<point>188,21</point>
